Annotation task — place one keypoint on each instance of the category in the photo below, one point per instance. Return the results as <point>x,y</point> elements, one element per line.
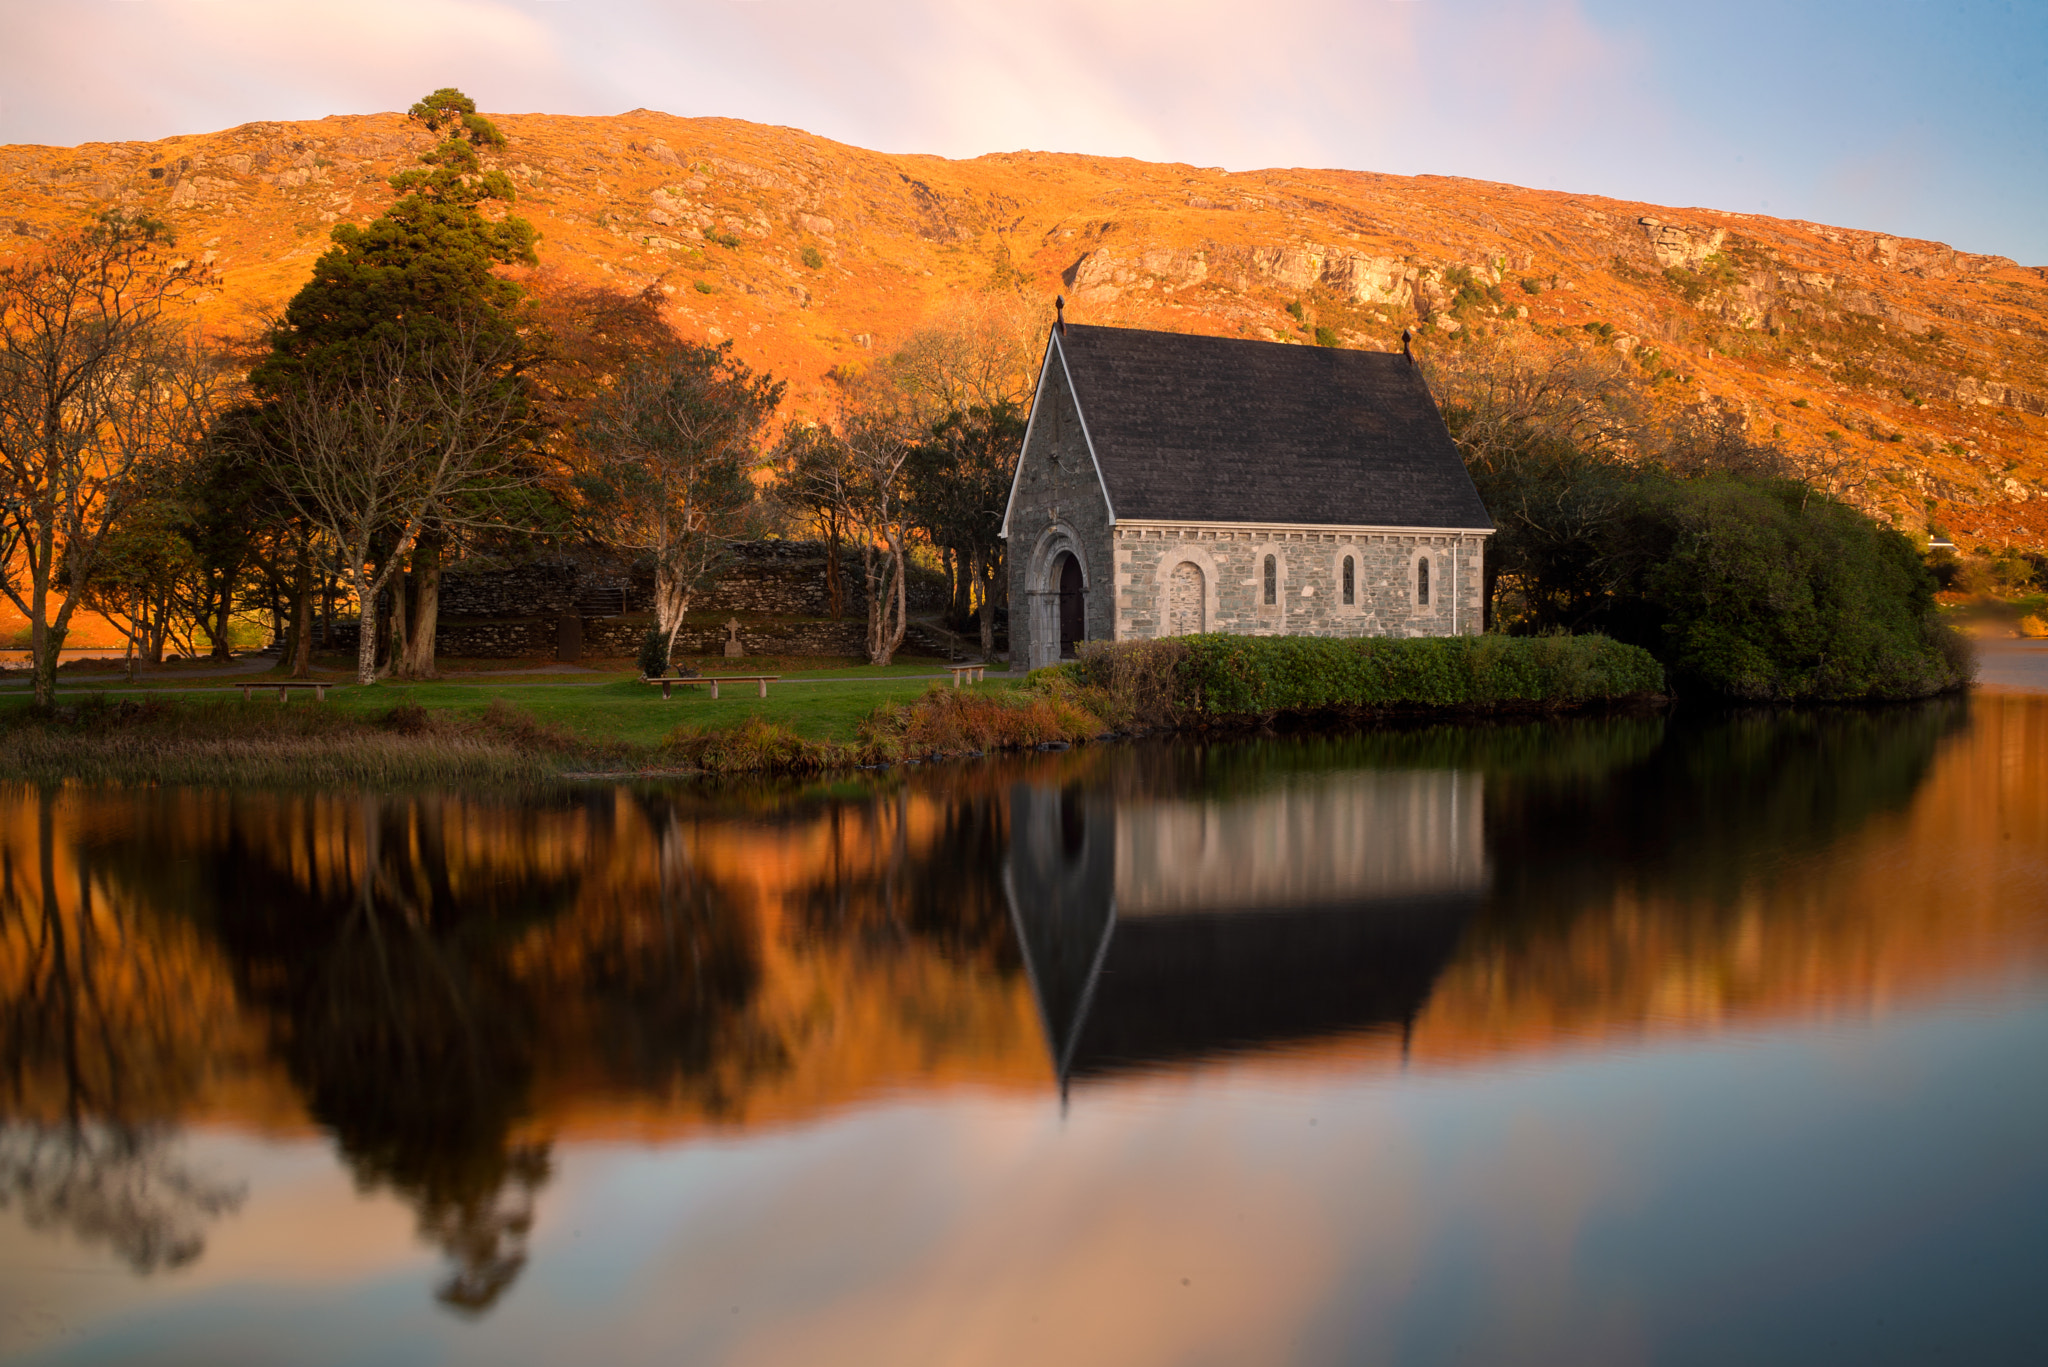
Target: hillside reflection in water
<point>788,1062</point>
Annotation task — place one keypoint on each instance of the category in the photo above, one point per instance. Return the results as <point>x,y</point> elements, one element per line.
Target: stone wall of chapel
<point>1071,493</point>
<point>1309,575</point>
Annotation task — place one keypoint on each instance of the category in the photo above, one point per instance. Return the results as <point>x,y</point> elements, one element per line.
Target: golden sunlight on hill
<point>1927,366</point>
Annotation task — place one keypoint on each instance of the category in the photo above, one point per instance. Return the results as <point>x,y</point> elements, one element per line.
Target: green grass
<point>634,712</point>
<point>610,706</point>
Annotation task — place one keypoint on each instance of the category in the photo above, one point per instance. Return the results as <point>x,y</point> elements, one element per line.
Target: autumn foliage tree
<point>97,388</point>
<point>668,458</point>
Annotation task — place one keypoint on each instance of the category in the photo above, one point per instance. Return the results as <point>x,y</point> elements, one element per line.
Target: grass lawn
<point>816,703</point>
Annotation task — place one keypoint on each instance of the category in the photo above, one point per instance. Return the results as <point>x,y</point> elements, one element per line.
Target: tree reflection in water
<point>447,982</point>
<point>97,1054</point>
<point>379,955</point>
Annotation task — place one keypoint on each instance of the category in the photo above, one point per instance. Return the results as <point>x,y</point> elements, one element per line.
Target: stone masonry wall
<point>784,578</point>
<point>1057,506</point>
<point>513,638</point>
<point>540,588</point>
<point>1309,580</point>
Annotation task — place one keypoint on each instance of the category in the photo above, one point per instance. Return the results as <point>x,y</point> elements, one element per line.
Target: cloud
<point>153,68</point>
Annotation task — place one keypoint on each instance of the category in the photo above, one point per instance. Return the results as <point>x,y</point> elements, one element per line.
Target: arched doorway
<point>1073,604</point>
<point>1186,603</point>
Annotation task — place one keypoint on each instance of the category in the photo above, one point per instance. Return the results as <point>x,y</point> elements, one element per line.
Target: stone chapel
<point>1172,484</point>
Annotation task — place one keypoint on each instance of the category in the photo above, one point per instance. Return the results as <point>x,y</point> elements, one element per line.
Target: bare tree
<point>1832,469</point>
<point>669,460</point>
<point>1504,396</point>
<point>370,454</point>
<point>875,426</point>
<point>979,351</point>
<point>813,480</point>
<point>95,389</point>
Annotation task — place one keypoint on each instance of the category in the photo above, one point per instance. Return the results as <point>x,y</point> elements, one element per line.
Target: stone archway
<point>1187,601</point>
<point>1057,585</point>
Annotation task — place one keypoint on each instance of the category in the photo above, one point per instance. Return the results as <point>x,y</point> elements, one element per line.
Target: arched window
<point>1186,604</point>
<point>1422,582</point>
<point>1350,582</point>
<point>1272,581</point>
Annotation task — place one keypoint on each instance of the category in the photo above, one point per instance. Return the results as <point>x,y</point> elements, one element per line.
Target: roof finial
<point>1059,307</point>
<point>1406,338</point>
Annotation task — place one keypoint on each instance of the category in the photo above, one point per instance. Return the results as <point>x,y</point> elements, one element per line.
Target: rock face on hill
<point>1927,364</point>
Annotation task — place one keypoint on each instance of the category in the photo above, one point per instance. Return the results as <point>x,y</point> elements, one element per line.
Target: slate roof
<point>1215,429</point>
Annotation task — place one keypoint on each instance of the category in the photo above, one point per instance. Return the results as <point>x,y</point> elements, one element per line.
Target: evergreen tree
<point>420,282</point>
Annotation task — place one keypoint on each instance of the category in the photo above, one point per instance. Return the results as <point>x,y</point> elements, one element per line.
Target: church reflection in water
<point>1158,927</point>
<point>448,989</point>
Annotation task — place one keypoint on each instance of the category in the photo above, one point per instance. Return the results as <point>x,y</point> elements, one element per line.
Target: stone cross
<point>733,649</point>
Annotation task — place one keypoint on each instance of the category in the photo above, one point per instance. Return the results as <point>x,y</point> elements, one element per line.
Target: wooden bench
<point>319,688</point>
<point>966,674</point>
<point>762,680</point>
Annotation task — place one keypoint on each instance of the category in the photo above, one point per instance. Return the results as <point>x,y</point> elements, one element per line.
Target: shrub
<point>814,258</point>
<point>654,653</point>
<point>1221,675</point>
<point>755,744</point>
<point>1762,590</point>
<point>1326,336</point>
<point>949,721</point>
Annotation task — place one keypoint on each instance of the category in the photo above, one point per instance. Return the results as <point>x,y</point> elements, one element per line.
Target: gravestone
<point>733,648</point>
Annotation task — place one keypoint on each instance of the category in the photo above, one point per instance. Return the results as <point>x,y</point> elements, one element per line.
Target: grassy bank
<point>515,729</point>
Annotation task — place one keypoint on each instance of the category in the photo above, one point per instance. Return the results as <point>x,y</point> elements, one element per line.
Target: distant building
<point>1172,484</point>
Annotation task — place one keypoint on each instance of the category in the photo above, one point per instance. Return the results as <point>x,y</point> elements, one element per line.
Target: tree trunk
<point>302,594</point>
<point>984,576</point>
<point>366,632</point>
<point>902,601</point>
<point>963,587</point>
<point>44,641</point>
<point>392,631</point>
<point>223,609</point>
<point>835,582</point>
<point>872,582</point>
<point>425,581</point>
<point>888,604</point>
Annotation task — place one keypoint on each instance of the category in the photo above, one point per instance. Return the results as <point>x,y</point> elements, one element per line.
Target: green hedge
<point>1248,675</point>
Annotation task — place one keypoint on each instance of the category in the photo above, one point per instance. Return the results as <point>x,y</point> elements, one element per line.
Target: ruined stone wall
<point>516,638</point>
<point>785,578</point>
<point>539,588</point>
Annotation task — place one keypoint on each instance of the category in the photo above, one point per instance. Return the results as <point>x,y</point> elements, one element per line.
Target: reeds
<point>946,721</point>
<point>214,743</point>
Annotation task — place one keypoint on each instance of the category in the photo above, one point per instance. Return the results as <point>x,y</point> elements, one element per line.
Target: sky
<point>1920,118</point>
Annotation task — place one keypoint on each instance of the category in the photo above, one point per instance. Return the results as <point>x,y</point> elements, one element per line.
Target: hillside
<point>1930,363</point>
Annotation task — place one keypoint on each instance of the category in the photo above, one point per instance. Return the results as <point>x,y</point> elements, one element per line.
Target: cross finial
<point>1407,337</point>
<point>1059,308</point>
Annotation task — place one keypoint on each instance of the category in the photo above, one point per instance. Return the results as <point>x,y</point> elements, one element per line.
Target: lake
<point>1701,1038</point>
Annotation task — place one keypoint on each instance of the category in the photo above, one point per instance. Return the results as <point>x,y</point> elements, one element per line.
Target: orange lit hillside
<point>1929,363</point>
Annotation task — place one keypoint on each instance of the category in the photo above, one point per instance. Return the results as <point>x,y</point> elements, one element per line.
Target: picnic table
<point>284,686</point>
<point>761,680</point>
<point>967,674</point>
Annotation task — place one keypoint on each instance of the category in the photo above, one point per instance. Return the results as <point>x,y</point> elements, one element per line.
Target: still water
<point>1662,1040</point>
